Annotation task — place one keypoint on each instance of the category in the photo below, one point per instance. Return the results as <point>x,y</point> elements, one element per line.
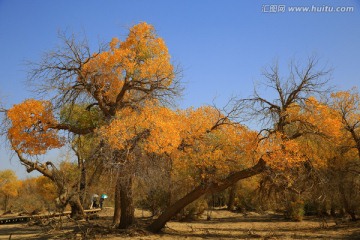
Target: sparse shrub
<point>194,210</point>
<point>310,208</point>
<point>156,201</point>
<point>296,210</point>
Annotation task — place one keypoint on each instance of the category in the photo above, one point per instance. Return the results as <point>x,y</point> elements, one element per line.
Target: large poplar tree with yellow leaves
<point>116,80</point>
<point>126,86</point>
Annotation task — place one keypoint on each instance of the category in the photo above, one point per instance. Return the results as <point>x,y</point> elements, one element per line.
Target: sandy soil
<point>223,225</point>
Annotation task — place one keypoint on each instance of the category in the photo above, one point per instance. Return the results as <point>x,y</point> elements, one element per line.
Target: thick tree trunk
<point>117,210</point>
<point>126,203</point>
<point>82,183</point>
<point>174,209</point>
<point>124,206</point>
<point>72,198</point>
<point>77,210</point>
<point>346,203</point>
<point>232,196</point>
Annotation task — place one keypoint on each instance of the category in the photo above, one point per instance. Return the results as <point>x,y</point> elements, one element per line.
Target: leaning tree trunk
<point>77,210</point>
<point>199,191</point>
<point>72,198</point>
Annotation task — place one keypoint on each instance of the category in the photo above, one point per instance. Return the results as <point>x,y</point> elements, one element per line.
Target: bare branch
<point>31,166</point>
<point>301,83</point>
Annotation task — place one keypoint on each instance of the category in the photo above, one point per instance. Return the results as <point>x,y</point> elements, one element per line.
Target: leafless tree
<point>301,83</point>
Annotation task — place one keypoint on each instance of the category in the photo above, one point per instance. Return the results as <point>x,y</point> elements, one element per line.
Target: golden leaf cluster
<point>29,131</point>
<point>9,184</point>
<point>184,135</point>
<point>138,64</point>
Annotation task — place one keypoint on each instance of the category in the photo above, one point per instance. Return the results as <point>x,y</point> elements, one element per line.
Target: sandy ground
<point>223,225</point>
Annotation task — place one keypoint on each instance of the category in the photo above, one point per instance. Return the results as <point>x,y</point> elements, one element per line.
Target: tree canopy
<point>112,108</point>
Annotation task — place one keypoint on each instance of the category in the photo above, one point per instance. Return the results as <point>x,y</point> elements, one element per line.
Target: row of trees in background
<point>37,195</point>
<point>113,109</point>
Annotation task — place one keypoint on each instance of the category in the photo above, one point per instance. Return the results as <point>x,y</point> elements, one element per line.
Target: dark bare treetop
<point>301,83</point>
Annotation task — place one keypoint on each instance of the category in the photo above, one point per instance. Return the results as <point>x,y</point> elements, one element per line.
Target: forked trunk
<point>174,209</point>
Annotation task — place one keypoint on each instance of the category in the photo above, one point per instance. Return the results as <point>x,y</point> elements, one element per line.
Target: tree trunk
<point>346,203</point>
<point>72,198</point>
<point>332,210</point>
<point>174,209</point>
<point>232,196</point>
<point>117,210</point>
<point>82,183</point>
<point>124,206</point>
<point>200,190</point>
<point>126,203</point>
<point>77,210</point>
<point>6,202</point>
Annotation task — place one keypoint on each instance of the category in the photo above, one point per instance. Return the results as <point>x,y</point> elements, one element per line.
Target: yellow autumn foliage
<point>9,184</point>
<point>141,62</point>
<point>186,136</point>
<point>29,131</point>
<point>46,188</point>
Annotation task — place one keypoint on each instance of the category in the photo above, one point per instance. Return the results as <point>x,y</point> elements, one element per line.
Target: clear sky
<point>222,45</point>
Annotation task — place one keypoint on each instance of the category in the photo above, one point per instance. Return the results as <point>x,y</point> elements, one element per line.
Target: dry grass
<point>223,225</point>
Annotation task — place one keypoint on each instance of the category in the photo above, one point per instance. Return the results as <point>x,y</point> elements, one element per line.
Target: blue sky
<point>222,46</point>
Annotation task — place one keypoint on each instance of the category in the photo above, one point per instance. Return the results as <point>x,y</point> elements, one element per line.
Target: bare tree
<point>301,83</point>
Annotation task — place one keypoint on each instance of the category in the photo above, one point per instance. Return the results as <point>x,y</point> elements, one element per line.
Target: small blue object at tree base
<point>104,196</point>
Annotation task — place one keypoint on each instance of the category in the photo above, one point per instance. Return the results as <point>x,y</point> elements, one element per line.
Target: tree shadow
<point>21,231</point>
<point>269,230</point>
<point>354,235</point>
<point>177,235</point>
<point>216,233</point>
<point>238,219</point>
